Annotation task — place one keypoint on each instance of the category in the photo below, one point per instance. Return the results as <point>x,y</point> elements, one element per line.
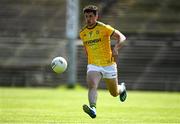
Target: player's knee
<point>114,94</point>
<point>92,84</point>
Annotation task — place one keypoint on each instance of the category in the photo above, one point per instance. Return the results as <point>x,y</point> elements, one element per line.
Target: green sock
<point>93,105</point>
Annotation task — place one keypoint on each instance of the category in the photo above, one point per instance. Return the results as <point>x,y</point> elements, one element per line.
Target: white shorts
<point>106,71</point>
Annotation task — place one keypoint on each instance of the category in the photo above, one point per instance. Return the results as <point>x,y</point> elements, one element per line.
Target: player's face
<point>90,19</point>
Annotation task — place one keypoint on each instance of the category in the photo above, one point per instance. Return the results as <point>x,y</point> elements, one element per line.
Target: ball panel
<point>59,64</point>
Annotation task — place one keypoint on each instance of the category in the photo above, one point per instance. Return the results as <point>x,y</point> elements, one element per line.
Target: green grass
<point>62,106</point>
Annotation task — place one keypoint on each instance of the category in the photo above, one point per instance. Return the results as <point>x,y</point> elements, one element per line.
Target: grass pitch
<point>62,106</point>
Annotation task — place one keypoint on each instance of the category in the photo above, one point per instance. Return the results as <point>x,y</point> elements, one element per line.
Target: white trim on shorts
<point>106,71</point>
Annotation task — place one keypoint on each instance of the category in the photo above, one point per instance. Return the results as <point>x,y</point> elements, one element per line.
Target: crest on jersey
<point>97,31</point>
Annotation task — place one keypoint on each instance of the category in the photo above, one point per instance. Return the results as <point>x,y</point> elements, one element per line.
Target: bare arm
<point>120,38</point>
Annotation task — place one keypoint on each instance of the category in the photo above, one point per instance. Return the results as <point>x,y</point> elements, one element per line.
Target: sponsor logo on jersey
<point>90,42</point>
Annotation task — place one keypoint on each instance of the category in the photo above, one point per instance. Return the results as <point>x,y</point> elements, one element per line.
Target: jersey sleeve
<point>110,30</point>
<point>80,35</point>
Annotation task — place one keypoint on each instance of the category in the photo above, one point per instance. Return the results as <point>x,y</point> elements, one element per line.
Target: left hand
<point>115,53</point>
<point>115,50</point>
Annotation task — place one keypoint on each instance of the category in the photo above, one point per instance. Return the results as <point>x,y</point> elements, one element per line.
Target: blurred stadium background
<point>32,32</point>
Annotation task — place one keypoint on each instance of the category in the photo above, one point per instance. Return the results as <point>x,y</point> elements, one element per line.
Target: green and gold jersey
<point>96,41</point>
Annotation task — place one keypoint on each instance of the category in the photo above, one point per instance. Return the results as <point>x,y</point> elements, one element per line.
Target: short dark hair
<point>91,8</point>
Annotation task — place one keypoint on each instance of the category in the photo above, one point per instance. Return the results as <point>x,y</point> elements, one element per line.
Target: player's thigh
<point>93,78</point>
<point>112,86</point>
